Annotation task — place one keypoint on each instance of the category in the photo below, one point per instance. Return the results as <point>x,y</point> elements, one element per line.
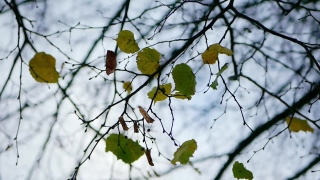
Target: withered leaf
<point>111,62</point>
<point>123,124</point>
<point>145,115</point>
<point>148,154</point>
<point>136,127</point>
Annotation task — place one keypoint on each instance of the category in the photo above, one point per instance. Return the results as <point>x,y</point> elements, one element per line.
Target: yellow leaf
<point>297,125</point>
<point>210,56</point>
<point>126,42</point>
<point>42,68</point>
<point>127,87</point>
<point>162,93</point>
<point>148,61</point>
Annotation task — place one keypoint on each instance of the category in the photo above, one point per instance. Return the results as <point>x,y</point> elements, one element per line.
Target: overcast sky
<point>52,139</point>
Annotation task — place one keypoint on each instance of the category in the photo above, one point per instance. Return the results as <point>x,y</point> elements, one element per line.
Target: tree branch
<point>259,130</point>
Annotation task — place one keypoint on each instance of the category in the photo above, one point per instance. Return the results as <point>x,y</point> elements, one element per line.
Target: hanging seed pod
<point>136,127</point>
<point>148,154</point>
<point>145,115</point>
<point>123,124</point>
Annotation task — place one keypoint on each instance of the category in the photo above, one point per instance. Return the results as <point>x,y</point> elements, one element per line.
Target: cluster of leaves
<point>148,63</point>
<point>42,69</point>
<point>129,151</point>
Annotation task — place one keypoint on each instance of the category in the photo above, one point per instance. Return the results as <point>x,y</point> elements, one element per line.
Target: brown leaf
<point>145,115</point>
<point>111,62</point>
<point>123,124</point>
<point>136,127</point>
<point>148,154</point>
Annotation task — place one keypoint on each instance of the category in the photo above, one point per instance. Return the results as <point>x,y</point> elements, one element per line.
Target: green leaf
<point>162,93</point>
<point>148,61</point>
<point>126,42</point>
<point>184,79</point>
<point>180,96</point>
<point>297,125</point>
<point>240,172</point>
<point>42,68</point>
<point>210,56</point>
<point>224,67</point>
<point>184,152</point>
<point>214,84</point>
<point>125,149</point>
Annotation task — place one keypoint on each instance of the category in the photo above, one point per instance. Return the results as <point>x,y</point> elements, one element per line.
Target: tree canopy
<point>170,89</point>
